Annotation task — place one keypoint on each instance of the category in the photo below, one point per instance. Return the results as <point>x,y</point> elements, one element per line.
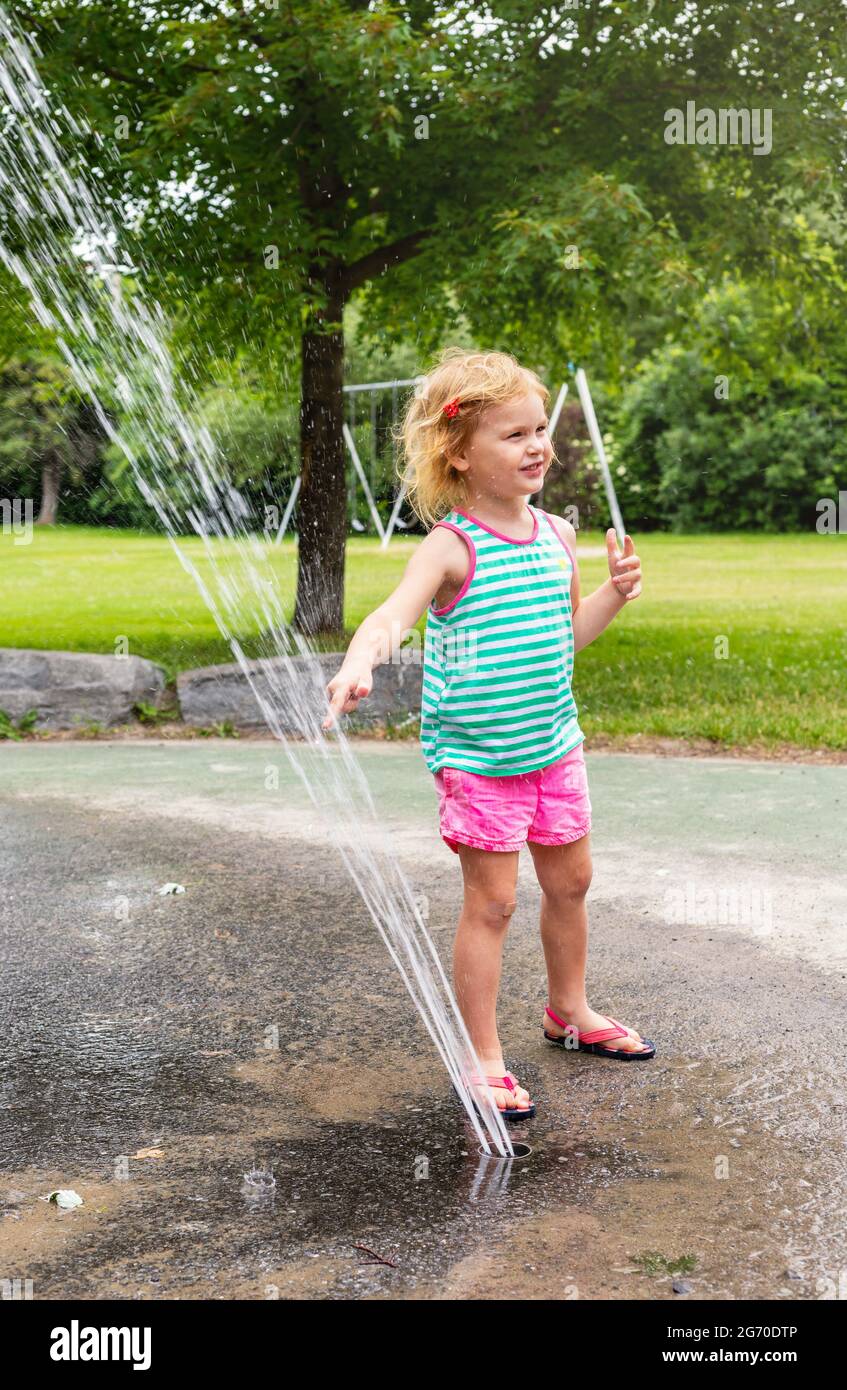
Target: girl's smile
<point>533,470</point>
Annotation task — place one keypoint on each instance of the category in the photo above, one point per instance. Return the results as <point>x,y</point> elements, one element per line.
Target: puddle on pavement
<point>627,1171</point>
<point>353,1116</point>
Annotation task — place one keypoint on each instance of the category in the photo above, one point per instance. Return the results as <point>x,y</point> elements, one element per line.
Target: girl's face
<point>510,451</point>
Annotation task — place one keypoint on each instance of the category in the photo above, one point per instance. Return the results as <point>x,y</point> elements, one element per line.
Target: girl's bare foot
<point>587,1020</point>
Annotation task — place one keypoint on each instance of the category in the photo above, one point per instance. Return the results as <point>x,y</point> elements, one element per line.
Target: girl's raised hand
<point>345,691</point>
<point>625,568</point>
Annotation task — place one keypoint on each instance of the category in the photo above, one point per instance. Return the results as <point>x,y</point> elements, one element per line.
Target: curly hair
<point>427,437</point>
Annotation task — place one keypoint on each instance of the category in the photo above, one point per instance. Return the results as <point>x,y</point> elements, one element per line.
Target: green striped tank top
<point>498,660</point>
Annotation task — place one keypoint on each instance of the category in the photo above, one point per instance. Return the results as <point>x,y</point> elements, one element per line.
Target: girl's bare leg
<point>564,875</point>
<point>490,880</point>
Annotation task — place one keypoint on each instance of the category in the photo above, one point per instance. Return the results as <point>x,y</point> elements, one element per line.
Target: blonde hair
<point>476,380</point>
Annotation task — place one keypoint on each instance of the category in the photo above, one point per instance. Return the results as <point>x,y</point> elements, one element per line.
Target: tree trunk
<point>322,501</point>
<point>51,479</point>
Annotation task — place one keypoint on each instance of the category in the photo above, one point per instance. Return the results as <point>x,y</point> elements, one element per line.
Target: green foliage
<point>653,1262</point>
<point>152,714</point>
<point>464,159</point>
<point>44,422</point>
<point>256,435</point>
<point>11,729</point>
<point>391,729</point>
<point>37,409</point>
<point>257,438</point>
<point>739,426</point>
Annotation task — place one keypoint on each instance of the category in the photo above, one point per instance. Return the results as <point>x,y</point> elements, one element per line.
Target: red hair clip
<point>451,409</point>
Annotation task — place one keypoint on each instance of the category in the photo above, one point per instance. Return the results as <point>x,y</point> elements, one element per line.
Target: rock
<point>70,688</point>
<point>296,687</point>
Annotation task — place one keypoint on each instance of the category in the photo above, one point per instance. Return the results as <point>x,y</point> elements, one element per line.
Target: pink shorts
<point>548,807</point>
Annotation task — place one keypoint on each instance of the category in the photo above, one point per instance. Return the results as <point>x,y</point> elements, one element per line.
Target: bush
<point>723,435</point>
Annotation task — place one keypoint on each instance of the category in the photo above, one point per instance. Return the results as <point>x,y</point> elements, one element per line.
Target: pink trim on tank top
<point>450,526</point>
<point>558,534</point>
<point>499,534</point>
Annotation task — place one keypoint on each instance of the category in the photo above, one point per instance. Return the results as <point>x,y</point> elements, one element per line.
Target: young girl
<point>499,582</point>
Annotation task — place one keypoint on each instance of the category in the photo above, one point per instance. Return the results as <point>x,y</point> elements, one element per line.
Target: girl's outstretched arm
<point>441,557</point>
<point>592,614</point>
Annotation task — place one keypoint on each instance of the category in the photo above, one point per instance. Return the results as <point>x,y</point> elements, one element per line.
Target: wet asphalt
<point>158,1049</point>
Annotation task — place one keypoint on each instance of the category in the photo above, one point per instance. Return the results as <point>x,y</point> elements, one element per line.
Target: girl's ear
<point>457,461</point>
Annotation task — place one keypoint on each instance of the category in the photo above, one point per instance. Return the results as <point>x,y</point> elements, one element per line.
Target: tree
<point>47,434</point>
<point>279,159</point>
<point>255,438</point>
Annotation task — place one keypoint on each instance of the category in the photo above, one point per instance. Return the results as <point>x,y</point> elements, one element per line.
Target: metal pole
<point>373,439</point>
<point>597,441</point>
<point>351,488</point>
<point>392,520</point>
<point>551,430</point>
<point>557,408</point>
<point>286,516</point>
<point>381,385</point>
<point>357,464</point>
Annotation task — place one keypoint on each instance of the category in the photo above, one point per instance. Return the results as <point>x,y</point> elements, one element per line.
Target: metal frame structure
<point>597,441</point>
<point>385,532</point>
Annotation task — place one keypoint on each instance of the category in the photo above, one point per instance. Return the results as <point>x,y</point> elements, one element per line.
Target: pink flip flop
<point>505,1083</point>
<point>591,1041</point>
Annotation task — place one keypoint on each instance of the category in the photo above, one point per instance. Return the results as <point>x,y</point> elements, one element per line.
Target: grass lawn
<point>779,601</point>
